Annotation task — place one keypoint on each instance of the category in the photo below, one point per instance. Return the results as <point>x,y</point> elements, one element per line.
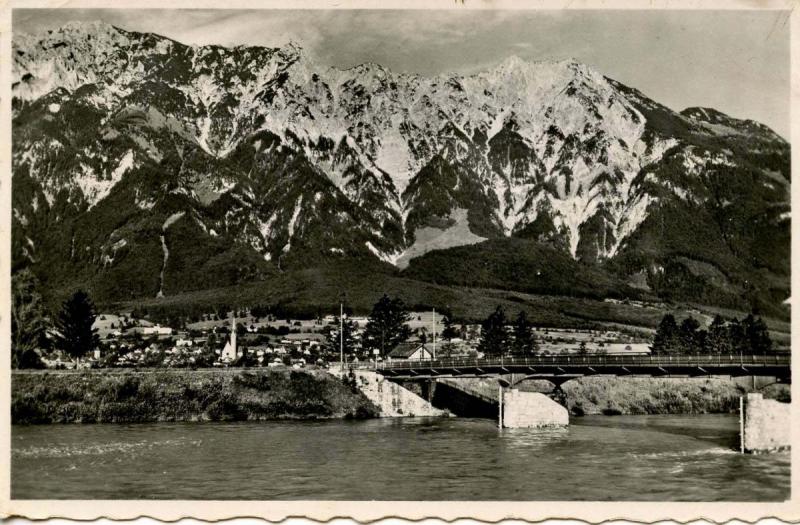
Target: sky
<point>735,61</point>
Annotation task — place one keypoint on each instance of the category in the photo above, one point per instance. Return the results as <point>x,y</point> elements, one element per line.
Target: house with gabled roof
<point>412,351</point>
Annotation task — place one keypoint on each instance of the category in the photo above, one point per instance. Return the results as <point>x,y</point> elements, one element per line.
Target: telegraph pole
<point>434,333</point>
<point>341,334</point>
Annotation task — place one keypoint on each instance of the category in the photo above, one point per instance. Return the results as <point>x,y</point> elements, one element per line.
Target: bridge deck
<point>774,365</point>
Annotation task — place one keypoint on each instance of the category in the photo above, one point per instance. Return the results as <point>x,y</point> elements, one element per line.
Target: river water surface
<point>595,458</point>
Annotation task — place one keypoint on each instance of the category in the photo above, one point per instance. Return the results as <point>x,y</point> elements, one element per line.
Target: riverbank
<point>133,396</point>
<point>162,395</point>
<point>636,396</point>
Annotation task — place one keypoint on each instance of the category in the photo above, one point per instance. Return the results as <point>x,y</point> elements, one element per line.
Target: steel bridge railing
<point>598,361</point>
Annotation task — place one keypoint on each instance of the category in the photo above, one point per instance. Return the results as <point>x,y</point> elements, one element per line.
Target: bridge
<point>560,368</point>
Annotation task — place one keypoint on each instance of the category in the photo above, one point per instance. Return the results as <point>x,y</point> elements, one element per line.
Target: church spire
<point>233,336</point>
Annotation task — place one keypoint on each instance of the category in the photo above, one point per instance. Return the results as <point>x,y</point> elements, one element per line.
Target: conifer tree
<point>386,326</point>
<point>76,336</point>
<point>494,337</point>
<point>333,340</point>
<point>449,331</point>
<point>738,337</point>
<point>28,321</point>
<point>758,336</point>
<point>666,339</point>
<point>688,337</point>
<point>524,340</point>
<point>719,337</point>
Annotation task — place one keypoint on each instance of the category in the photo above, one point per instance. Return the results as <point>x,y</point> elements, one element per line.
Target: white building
<point>230,352</point>
<point>156,330</point>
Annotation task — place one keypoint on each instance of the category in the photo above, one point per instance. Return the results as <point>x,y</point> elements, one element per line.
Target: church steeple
<point>230,353</point>
<point>233,337</point>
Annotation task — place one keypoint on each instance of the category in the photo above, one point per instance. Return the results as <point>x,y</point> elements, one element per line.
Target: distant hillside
<point>517,264</point>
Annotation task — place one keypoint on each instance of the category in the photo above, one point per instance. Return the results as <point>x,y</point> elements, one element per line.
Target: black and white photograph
<point>432,255</point>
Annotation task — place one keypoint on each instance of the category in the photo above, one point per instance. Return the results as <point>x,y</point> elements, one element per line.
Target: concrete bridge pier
<point>518,409</point>
<point>532,409</point>
<point>764,424</point>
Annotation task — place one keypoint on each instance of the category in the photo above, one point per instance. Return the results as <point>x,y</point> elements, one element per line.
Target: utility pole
<point>500,407</point>
<point>434,334</point>
<point>341,334</point>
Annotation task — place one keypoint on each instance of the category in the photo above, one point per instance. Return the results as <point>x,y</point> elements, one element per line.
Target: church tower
<point>230,352</point>
<point>233,337</point>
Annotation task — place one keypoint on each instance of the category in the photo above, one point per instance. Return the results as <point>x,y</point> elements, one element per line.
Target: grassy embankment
<point>635,395</point>
<point>127,396</point>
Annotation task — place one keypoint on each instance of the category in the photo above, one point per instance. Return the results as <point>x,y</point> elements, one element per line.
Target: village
<point>250,341</point>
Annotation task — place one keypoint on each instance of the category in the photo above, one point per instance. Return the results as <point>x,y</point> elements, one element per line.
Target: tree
<point>524,341</point>
<point>739,341</point>
<point>450,331</point>
<point>386,325</point>
<point>719,337</point>
<point>333,339</point>
<point>666,339</point>
<point>76,336</point>
<point>582,350</point>
<point>757,335</point>
<point>688,337</point>
<point>206,358</point>
<point>494,338</point>
<point>246,358</point>
<point>28,322</point>
<point>701,341</point>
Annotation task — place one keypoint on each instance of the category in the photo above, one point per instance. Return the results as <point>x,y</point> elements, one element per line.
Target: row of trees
<point>387,326</point>
<point>496,339</point>
<point>731,336</point>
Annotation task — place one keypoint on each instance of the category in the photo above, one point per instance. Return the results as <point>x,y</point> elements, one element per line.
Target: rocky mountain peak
<point>283,157</point>
<point>292,51</point>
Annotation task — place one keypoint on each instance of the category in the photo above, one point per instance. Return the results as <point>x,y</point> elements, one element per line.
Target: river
<point>677,458</point>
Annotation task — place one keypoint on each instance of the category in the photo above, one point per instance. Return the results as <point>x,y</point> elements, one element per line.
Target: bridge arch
<point>512,380</point>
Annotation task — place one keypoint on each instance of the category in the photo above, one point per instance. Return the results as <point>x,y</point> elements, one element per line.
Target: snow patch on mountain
<point>96,187</point>
<point>573,140</point>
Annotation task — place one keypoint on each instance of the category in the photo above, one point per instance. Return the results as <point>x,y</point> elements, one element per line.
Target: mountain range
<point>143,167</point>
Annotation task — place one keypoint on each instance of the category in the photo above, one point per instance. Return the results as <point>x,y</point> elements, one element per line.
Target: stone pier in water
<point>520,409</point>
<point>765,424</point>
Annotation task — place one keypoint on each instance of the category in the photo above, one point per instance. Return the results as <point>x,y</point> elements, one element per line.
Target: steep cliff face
<point>272,158</point>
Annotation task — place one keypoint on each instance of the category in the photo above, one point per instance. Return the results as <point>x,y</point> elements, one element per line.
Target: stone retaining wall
<point>392,399</point>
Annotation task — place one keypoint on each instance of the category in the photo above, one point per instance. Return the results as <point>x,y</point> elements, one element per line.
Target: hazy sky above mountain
<point>734,61</point>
